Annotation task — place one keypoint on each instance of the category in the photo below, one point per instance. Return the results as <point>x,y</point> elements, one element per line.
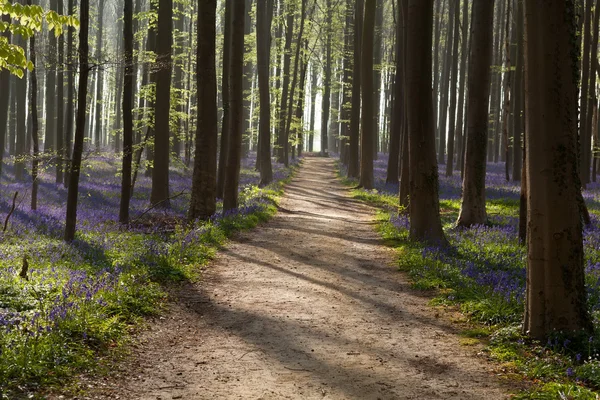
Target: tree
<point>84,70</point>
<point>327,80</point>
<point>282,140</point>
<point>472,210</point>
<point>453,83</point>
<point>232,171</point>
<point>353,150</point>
<point>127,111</point>
<point>164,40</point>
<point>225,95</point>
<point>204,180</point>
<point>425,222</point>
<point>263,48</point>
<point>555,296</point>
<point>4,99</point>
<point>368,98</point>
<point>99,76</point>
<point>34,123</point>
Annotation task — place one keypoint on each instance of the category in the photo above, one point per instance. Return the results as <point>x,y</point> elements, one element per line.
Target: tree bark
<point>453,83</point>
<point>5,98</point>
<point>472,210</point>
<point>99,76</point>
<point>127,105</point>
<point>204,181</point>
<point>225,95</point>
<point>461,86</point>
<point>368,109</point>
<point>232,173</point>
<point>518,95</point>
<point>84,70</point>
<point>353,153</point>
<point>263,48</point>
<point>555,295</point>
<point>34,122</point>
<point>425,223</point>
<point>584,135</point>
<point>160,173</point>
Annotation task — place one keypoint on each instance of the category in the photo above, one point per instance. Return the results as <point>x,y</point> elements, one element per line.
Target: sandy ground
<point>307,306</point>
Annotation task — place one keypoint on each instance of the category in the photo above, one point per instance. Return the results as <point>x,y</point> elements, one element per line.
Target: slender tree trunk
<point>282,140</point>
<point>50,86</point>
<point>453,83</point>
<point>378,58</point>
<point>21,95</point>
<point>128,84</point>
<point>589,123</point>
<point>84,70</point>
<point>326,80</point>
<point>5,98</point>
<point>313,103</point>
<point>425,223</point>
<point>70,111</point>
<point>398,116</point>
<point>34,122</point>
<point>346,84</point>
<point>225,95</point>
<point>461,86</point>
<point>368,109</point>
<point>353,154</point>
<point>60,104</point>
<point>98,125</point>
<point>472,209</point>
<point>510,54</point>
<point>440,8</point>
<point>248,68</point>
<point>518,91</point>
<point>555,295</point>
<point>584,134</point>
<point>445,83</point>
<point>232,175</point>
<point>160,173</point>
<point>263,48</point>
<point>204,181</point>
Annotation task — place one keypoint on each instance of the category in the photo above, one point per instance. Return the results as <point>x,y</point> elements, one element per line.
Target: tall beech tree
<point>232,170</point>
<point>353,150</point>
<point>75,170</point>
<point>424,214</point>
<point>263,49</point>
<point>204,181</point>
<point>164,39</point>
<point>555,295</point>
<point>4,99</point>
<point>368,124</point>
<point>472,209</point>
<point>225,95</point>
<point>127,111</point>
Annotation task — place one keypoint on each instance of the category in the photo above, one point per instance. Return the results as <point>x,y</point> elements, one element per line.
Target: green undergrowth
<point>480,276</point>
<point>81,301</point>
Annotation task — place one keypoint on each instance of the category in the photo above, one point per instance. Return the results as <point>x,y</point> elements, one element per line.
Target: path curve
<point>307,306</point>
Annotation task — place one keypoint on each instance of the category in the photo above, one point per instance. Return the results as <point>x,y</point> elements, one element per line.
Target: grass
<point>482,274</point>
<point>81,301</point>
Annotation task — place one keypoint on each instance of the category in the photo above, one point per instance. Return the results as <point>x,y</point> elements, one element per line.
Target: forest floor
<point>307,306</point>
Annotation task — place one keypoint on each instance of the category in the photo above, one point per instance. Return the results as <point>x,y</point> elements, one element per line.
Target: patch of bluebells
<point>97,275</point>
<point>501,270</point>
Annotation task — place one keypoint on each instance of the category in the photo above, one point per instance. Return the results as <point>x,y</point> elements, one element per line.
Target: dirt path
<point>307,306</point>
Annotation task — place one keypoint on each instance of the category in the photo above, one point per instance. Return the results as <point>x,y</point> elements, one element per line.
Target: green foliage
<point>28,20</point>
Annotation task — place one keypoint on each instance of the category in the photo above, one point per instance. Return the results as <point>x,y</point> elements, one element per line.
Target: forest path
<point>307,306</point>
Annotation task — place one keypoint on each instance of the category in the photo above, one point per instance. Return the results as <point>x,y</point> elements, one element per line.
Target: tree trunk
<point>60,105</point>
<point>70,111</point>
<point>84,70</point>
<point>472,211</point>
<point>128,84</point>
<point>353,153</point>
<point>232,173</point>
<point>425,223</point>
<point>225,95</point>
<point>21,95</point>
<point>445,85</point>
<point>518,95</point>
<point>368,108</point>
<point>5,98</point>
<point>346,84</point>
<point>326,80</point>
<point>555,296</point>
<point>313,103</point>
<point>160,173</point>
<point>398,105</point>
<point>98,126</point>
<point>263,48</point>
<point>378,58</point>
<point>453,83</point>
<point>204,181</point>
<point>584,135</point>
<point>282,140</point>
<point>34,122</point>
<point>461,86</point>
<point>247,83</point>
